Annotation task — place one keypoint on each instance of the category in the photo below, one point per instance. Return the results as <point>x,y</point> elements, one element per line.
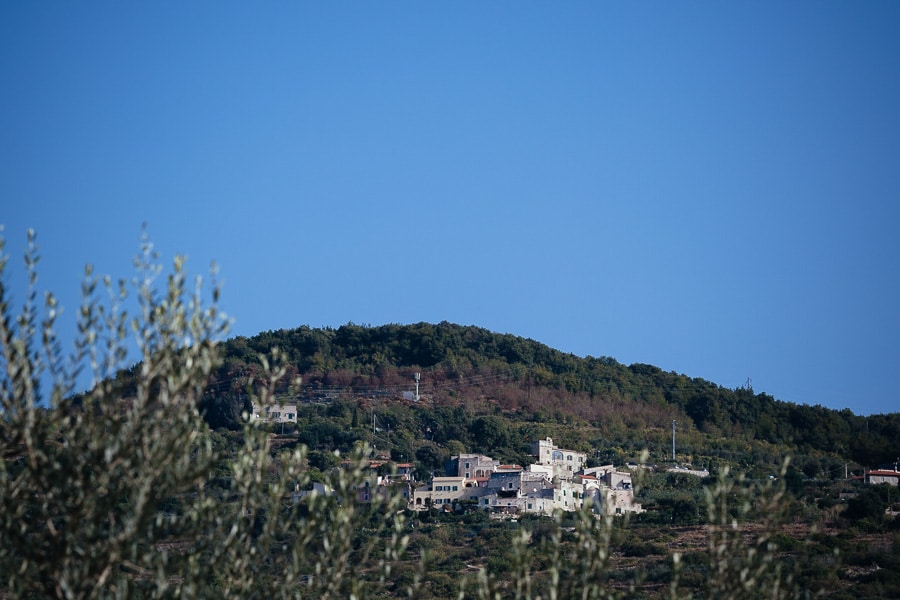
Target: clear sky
<point>709,187</point>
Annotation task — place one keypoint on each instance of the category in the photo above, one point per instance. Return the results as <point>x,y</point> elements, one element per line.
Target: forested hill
<point>528,381</point>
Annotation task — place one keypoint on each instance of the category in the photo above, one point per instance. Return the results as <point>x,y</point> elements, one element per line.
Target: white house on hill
<point>444,492</point>
<point>888,476</point>
<point>473,466</point>
<point>565,463</point>
<point>276,413</point>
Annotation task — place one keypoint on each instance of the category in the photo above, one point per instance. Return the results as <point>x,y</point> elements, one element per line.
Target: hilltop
<point>471,376</point>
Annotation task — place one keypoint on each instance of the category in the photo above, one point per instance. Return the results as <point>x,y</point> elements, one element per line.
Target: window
<point>467,474</point>
<point>438,488</point>
<point>455,488</point>
<point>467,466</point>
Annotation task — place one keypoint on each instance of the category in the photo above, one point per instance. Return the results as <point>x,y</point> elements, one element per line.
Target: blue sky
<point>712,188</point>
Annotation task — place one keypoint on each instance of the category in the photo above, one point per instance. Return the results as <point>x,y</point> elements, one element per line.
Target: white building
<point>611,491</point>
<point>884,476</point>
<point>384,486</point>
<point>445,492</point>
<point>474,466</point>
<point>565,463</point>
<point>568,495</point>
<point>276,413</point>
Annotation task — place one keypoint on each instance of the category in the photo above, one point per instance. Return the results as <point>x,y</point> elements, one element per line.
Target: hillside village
<point>558,480</point>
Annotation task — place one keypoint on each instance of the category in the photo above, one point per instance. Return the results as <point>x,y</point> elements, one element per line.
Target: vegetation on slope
<point>529,382</point>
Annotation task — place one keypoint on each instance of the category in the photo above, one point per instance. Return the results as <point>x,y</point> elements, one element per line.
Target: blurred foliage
<point>123,491</point>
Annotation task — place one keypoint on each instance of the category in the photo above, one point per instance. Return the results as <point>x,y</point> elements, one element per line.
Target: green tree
<point>868,505</point>
<point>430,458</point>
<point>224,411</point>
<point>490,433</point>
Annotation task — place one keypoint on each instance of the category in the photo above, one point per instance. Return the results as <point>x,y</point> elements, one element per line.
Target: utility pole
<point>673,440</point>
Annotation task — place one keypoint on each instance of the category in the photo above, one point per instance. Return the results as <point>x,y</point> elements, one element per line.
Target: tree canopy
<point>522,377</point>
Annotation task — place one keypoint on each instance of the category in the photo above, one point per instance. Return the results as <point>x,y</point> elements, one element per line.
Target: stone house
<point>473,466</point>
<point>565,463</point>
<point>445,492</point>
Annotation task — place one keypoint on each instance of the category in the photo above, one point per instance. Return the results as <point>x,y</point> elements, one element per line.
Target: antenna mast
<point>417,377</point>
<point>673,440</point>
